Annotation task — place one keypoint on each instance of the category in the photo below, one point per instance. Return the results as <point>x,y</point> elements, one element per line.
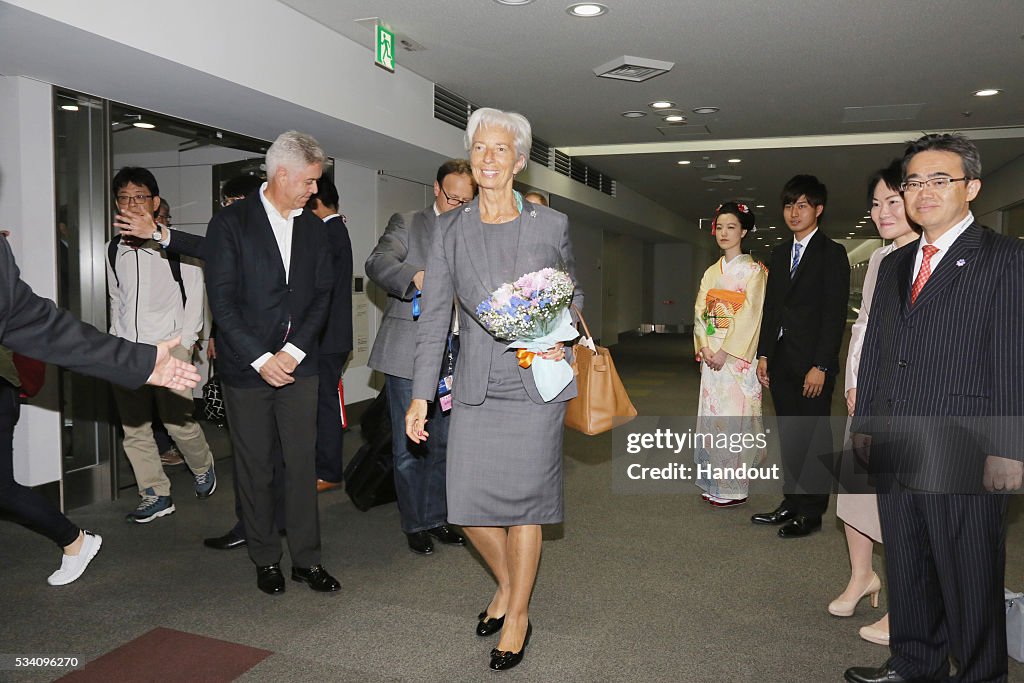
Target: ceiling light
<point>513,3</point>
<point>143,124</point>
<point>705,110</point>
<point>69,107</point>
<point>675,118</point>
<point>771,227</point>
<point>586,9</point>
<point>684,162</point>
<point>853,233</point>
<point>735,161</point>
<point>847,238</point>
<point>662,104</point>
<point>759,206</point>
<point>634,114</point>
<point>987,92</point>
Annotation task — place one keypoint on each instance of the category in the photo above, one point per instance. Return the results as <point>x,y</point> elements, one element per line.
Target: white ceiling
<point>781,68</point>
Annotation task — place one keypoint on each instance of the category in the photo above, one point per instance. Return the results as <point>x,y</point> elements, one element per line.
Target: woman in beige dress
<point>859,511</point>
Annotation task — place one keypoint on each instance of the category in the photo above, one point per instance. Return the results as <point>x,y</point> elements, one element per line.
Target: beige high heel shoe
<point>873,634</point>
<point>845,608</point>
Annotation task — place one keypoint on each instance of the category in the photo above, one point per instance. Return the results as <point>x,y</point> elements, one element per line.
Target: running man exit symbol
<point>385,52</point>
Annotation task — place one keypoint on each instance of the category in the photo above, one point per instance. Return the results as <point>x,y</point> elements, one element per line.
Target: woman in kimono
<point>726,328</point>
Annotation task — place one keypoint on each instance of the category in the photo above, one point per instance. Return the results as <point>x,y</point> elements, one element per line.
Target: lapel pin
<point>961,263</point>
<point>533,213</point>
<point>466,209</point>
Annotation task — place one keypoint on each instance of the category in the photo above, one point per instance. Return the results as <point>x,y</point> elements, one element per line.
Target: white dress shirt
<point>282,228</point>
<point>943,244</point>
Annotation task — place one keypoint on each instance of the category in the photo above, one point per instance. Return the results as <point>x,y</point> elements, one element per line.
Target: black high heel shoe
<point>502,660</point>
<point>488,626</point>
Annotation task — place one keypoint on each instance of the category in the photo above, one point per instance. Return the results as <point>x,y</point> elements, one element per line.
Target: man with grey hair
<point>269,281</point>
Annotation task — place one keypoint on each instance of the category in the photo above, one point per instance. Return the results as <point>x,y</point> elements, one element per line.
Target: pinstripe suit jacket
<point>401,253</point>
<point>458,265</point>
<point>946,374</point>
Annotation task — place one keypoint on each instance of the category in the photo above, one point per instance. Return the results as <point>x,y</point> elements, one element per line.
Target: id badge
<point>444,393</point>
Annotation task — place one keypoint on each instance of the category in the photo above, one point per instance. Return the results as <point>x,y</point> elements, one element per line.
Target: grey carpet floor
<point>631,588</point>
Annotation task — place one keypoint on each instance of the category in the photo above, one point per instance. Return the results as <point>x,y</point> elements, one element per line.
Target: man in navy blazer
<point>802,327</point>
<point>941,392</point>
<point>336,339</point>
<point>269,280</point>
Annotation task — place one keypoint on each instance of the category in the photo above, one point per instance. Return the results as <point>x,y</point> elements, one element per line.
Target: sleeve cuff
<point>294,351</point>
<point>258,363</point>
<point>166,241</point>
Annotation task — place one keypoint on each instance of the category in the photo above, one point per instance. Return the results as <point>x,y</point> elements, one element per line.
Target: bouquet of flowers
<point>533,314</point>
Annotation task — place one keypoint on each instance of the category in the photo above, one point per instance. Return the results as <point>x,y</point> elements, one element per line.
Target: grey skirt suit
<point>504,441</point>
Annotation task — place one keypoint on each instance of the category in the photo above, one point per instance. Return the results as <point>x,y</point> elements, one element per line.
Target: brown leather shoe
<point>171,458</point>
<point>322,485</point>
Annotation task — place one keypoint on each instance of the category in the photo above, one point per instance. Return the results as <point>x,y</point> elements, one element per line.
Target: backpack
<point>174,260</point>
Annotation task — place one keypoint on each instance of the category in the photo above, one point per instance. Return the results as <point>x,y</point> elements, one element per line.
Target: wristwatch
<point>822,368</point>
<point>157,235</point>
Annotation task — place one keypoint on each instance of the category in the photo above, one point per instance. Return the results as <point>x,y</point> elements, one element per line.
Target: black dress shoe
<point>269,579</point>
<point>226,542</point>
<point>502,660</point>
<point>777,516</point>
<point>420,543</point>
<point>488,626</point>
<point>887,674</point>
<point>317,578</point>
<point>444,534</point>
<point>801,525</point>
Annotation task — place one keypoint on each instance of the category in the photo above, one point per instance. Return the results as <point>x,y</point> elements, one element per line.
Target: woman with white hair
<point>505,441</point>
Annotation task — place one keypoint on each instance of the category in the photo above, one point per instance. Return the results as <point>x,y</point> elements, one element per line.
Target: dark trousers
<point>259,418</point>
<point>806,439</point>
<point>329,435</point>
<point>278,485</point>
<point>25,506</point>
<point>419,468</point>
<point>945,558</point>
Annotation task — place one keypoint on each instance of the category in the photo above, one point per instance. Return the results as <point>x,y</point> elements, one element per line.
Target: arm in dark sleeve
<point>769,318</point>
<point>833,316</point>
<point>1007,433</point>
<point>387,266</point>
<point>435,320</point>
<point>185,243</point>
<point>306,335</point>
<point>870,354</point>
<point>35,327</point>
<point>224,287</point>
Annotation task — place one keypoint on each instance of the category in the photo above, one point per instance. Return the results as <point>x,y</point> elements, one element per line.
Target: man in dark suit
<point>941,392</point>
<point>269,285</point>
<point>397,265</point>
<point>801,330</point>
<point>336,342</point>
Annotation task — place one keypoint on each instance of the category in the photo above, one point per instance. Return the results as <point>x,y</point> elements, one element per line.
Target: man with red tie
<point>941,392</point>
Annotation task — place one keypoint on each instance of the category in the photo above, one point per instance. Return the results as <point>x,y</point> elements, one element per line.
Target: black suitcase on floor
<point>369,478</point>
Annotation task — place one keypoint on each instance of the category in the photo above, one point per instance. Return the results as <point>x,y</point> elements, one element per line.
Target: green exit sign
<point>384,52</point>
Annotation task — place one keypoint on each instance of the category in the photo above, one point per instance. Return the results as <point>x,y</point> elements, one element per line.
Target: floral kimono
<point>728,316</point>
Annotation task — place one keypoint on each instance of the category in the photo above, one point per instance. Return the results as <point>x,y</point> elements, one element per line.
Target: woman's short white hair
<point>293,150</point>
<point>522,135</point>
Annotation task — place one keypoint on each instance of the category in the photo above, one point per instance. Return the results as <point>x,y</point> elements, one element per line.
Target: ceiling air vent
<point>636,69</point>
<point>721,178</point>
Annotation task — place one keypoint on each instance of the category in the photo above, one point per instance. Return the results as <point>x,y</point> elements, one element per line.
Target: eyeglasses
<point>453,201</point>
<point>165,217</point>
<point>938,184</point>
<point>228,201</point>
<point>124,200</point>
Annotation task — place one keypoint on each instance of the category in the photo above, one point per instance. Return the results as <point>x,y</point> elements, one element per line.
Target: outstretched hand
<point>170,372</point>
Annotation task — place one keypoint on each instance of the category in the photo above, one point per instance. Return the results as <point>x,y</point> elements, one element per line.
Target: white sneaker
<point>73,566</point>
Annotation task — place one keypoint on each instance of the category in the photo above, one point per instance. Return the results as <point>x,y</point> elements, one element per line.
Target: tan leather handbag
<point>601,400</point>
